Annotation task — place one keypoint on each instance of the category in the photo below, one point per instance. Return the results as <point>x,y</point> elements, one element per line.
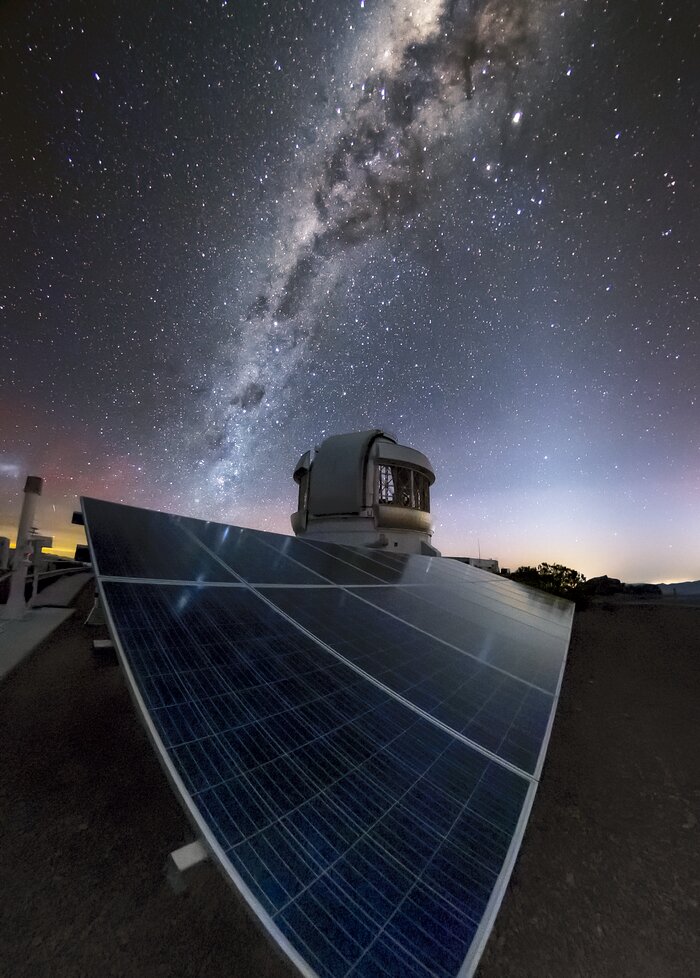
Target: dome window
<point>398,485</point>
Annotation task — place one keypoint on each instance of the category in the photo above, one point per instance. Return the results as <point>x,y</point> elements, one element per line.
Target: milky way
<point>402,127</point>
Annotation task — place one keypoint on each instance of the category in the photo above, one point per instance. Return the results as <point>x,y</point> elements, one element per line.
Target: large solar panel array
<point>356,734</point>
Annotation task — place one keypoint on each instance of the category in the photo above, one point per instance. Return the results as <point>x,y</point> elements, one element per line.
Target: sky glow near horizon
<point>238,230</point>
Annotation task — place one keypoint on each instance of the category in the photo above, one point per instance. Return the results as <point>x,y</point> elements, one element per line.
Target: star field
<point>234,229</point>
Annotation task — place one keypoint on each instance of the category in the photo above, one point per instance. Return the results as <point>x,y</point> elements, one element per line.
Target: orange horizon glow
<point>587,559</point>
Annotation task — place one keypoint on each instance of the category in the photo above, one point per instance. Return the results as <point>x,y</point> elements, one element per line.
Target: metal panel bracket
<point>96,616</point>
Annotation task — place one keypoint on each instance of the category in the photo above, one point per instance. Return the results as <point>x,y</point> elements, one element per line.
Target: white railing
<point>43,575</point>
<point>37,581</point>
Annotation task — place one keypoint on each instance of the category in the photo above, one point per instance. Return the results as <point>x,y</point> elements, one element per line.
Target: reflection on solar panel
<point>356,735</point>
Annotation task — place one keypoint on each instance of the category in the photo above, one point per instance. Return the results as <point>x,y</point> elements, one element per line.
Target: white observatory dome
<point>363,489</point>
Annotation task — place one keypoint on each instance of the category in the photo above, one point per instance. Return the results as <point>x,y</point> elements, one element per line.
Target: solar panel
<point>357,736</point>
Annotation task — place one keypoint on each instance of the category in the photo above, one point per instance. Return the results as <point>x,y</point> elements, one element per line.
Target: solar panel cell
<point>250,554</point>
<point>502,714</point>
<point>132,542</point>
<point>271,558</point>
<point>518,646</point>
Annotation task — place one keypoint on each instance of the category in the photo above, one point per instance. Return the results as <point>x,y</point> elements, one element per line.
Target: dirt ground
<point>607,882</point>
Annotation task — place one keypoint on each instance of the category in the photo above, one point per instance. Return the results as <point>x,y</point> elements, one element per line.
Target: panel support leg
<point>181,861</point>
<point>96,616</point>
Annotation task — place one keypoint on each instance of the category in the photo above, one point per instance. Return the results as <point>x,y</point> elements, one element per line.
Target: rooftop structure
<point>483,563</point>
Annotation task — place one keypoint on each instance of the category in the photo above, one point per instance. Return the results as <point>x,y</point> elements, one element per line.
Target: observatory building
<point>363,489</point>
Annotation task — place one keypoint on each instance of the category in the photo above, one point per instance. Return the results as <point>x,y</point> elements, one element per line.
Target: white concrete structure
<point>363,489</point>
<point>483,563</point>
<point>4,553</point>
<point>32,491</point>
<point>181,861</point>
<point>24,550</point>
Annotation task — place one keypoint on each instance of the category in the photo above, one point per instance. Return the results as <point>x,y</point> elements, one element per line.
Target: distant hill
<point>682,589</point>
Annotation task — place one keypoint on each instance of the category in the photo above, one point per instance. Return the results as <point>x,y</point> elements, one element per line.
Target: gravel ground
<point>607,882</point>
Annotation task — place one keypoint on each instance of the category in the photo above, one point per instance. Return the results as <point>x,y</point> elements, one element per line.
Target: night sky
<point>232,229</point>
